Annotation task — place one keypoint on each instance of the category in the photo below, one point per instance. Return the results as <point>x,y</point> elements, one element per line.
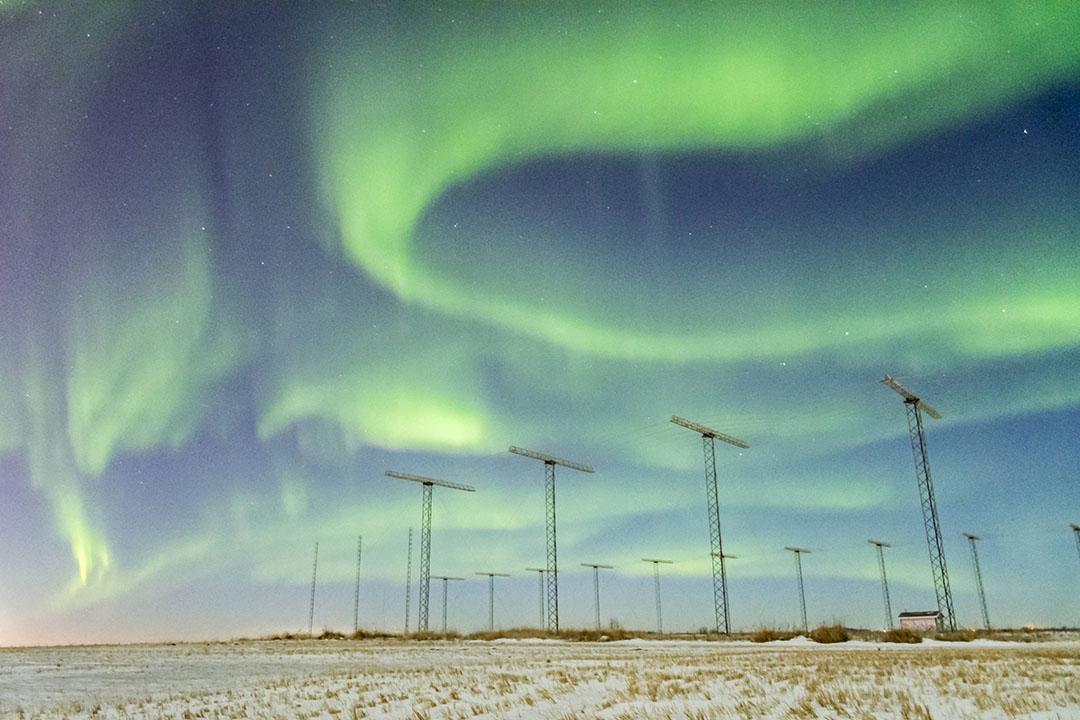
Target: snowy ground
<point>543,679</point>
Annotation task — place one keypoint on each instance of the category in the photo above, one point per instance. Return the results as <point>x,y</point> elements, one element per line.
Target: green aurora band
<point>398,131</point>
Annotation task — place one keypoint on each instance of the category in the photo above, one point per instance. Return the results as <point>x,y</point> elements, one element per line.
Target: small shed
<point>920,620</point>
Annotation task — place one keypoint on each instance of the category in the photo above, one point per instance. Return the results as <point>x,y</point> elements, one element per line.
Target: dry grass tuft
<point>830,634</point>
<point>901,635</point>
<point>958,636</point>
<point>769,634</point>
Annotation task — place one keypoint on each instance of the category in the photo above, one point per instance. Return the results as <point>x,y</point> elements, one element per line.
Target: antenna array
<point>408,581</point>
<point>356,594</point>
<point>978,577</point>
<point>802,595</point>
<point>445,579</point>
<point>915,408</point>
<point>719,571</point>
<point>540,578</point>
<point>656,585</point>
<point>311,605</point>
<point>596,586</point>
<point>552,546</point>
<point>884,581</point>
<point>491,596</point>
<point>425,538</point>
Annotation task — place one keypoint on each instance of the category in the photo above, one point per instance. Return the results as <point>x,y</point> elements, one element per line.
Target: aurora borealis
<point>252,256</point>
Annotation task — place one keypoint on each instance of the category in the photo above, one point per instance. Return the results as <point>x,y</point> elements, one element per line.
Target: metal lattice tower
<point>311,605</point>
<point>408,581</point>
<point>445,579</point>
<point>1076,536</point>
<point>719,571</point>
<point>425,537</point>
<point>656,586</point>
<point>978,577</point>
<point>491,596</point>
<point>540,578</point>
<point>802,595</point>
<point>552,548</point>
<point>356,594</point>
<point>915,408</point>
<point>884,581</point>
<point>596,586</point>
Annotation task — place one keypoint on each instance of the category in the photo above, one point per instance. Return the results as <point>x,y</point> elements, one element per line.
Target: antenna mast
<point>552,550</point>
<point>408,581</point>
<point>596,586</point>
<point>884,581</point>
<point>540,577</point>
<point>656,586</point>
<point>356,594</point>
<point>491,596</point>
<point>978,577</point>
<point>719,570</point>
<point>802,595</point>
<point>311,605</point>
<point>915,408</point>
<point>444,579</point>
<point>1076,536</point>
<point>425,536</point>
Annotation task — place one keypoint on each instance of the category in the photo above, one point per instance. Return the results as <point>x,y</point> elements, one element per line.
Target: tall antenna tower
<point>425,536</point>
<point>552,550</point>
<point>356,594</point>
<point>884,581</point>
<point>408,578</point>
<point>596,586</point>
<point>656,585</point>
<point>1076,536</point>
<point>445,579</point>
<point>540,577</point>
<point>802,595</point>
<point>311,605</point>
<point>978,577</point>
<point>915,408</point>
<point>491,596</point>
<point>719,571</point>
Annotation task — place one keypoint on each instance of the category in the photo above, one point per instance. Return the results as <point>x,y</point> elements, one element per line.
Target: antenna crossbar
<point>908,397</point>
<point>543,457</point>
<point>708,432</point>
<point>429,481</point>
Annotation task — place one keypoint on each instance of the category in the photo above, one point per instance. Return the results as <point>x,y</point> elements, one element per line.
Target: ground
<point>544,679</point>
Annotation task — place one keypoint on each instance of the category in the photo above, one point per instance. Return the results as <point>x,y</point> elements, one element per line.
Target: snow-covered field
<point>544,679</point>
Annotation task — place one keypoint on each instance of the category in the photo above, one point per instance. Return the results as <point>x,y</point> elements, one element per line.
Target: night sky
<point>253,256</point>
